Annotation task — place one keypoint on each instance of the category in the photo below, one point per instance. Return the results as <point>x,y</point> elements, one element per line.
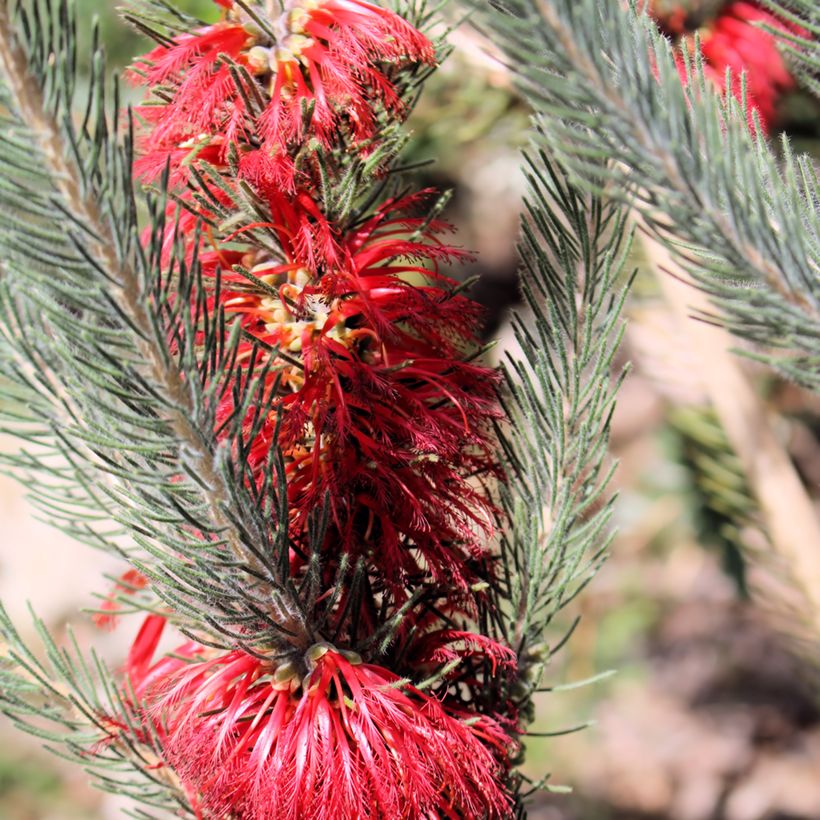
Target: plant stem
<point>789,515</point>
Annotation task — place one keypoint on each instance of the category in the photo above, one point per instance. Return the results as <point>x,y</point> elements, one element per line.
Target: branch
<point>126,281</point>
<point>789,515</point>
<point>743,224</point>
<point>560,396</point>
<point>124,372</point>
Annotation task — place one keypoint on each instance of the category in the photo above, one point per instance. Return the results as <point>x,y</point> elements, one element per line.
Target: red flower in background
<point>735,40</point>
<point>380,411</point>
<point>320,67</point>
<point>338,738</point>
<point>129,583</point>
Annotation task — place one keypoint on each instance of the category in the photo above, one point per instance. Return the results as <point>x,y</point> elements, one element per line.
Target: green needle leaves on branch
<point>63,700</point>
<point>742,220</point>
<point>560,397</point>
<point>801,47</point>
<point>116,364</point>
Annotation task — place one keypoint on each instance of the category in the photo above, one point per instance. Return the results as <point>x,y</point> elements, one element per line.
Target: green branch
<point>743,223</point>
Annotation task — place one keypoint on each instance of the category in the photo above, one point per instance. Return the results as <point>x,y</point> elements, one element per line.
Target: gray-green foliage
<point>801,46</point>
<point>65,700</point>
<point>561,393</point>
<point>742,219</point>
<point>115,363</point>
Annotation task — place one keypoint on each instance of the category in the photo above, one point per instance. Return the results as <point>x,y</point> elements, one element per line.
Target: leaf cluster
<point>801,45</point>
<point>115,361</point>
<point>741,218</point>
<point>65,700</point>
<point>561,390</point>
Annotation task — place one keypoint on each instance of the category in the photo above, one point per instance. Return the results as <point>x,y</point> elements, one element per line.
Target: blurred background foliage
<point>714,710</point>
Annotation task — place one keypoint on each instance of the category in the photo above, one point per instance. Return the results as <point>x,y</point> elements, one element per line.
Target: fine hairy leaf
<point>66,700</point>
<point>801,45</point>
<point>741,219</point>
<point>560,397</point>
<point>115,360</point>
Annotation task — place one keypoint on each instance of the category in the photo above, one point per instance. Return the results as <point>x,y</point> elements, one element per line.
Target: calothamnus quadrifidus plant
<point>237,353</point>
<point>310,421</point>
<point>379,419</point>
<point>361,346</point>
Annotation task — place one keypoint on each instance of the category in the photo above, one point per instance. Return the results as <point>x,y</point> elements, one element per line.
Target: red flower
<point>735,41</point>
<point>195,103</point>
<point>378,409</point>
<point>331,57</point>
<point>140,668</point>
<point>336,738</point>
<point>381,411</point>
<point>443,646</point>
<point>130,581</point>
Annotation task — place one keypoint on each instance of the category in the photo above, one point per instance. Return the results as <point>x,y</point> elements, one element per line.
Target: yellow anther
<point>297,19</point>
<point>259,59</point>
<point>296,44</point>
<point>317,651</point>
<point>284,55</point>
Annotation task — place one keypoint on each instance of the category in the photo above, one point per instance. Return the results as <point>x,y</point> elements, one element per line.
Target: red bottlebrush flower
<point>307,234</point>
<point>337,738</point>
<point>328,55</point>
<point>142,671</point>
<point>130,581</point>
<point>442,646</point>
<point>735,41</point>
<point>331,56</point>
<point>381,412</point>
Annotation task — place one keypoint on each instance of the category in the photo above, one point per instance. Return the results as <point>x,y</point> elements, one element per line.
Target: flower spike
<point>382,413</point>
<point>326,737</point>
<point>322,68</point>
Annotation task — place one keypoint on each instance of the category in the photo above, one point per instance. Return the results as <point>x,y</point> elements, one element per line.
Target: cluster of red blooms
<point>338,738</point>
<point>378,411</point>
<point>733,39</point>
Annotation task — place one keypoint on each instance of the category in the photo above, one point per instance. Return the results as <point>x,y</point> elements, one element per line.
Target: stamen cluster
<point>328,736</point>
